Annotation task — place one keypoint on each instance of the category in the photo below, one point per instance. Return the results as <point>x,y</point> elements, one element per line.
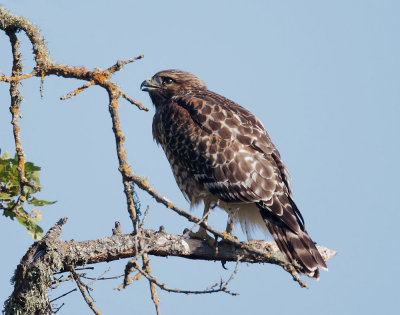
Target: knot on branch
<point>101,77</point>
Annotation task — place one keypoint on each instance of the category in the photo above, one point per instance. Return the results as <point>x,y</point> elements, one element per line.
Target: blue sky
<point>322,76</point>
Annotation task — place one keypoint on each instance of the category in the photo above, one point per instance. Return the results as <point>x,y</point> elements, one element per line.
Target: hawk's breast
<point>174,130</point>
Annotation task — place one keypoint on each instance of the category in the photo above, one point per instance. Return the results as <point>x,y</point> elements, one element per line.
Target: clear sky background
<point>323,77</point>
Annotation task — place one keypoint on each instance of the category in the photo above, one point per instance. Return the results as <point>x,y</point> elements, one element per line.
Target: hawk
<point>221,154</point>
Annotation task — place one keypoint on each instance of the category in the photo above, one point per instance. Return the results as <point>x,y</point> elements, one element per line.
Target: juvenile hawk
<point>221,154</point>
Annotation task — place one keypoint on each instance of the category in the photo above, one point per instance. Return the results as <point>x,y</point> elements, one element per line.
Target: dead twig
<point>101,76</point>
<point>188,231</point>
<point>95,279</point>
<point>102,278</point>
<point>77,91</point>
<point>153,288</point>
<point>16,99</point>
<point>82,287</point>
<point>58,309</point>
<point>57,282</point>
<point>121,154</point>
<point>59,297</point>
<point>144,217</point>
<point>222,286</point>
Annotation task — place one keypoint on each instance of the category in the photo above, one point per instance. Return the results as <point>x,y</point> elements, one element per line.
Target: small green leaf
<point>5,196</point>
<point>10,193</point>
<point>10,214</point>
<point>30,167</point>
<point>30,224</point>
<point>36,231</point>
<point>39,203</point>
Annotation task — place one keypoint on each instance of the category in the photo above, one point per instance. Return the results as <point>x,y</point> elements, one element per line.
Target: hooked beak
<point>149,85</point>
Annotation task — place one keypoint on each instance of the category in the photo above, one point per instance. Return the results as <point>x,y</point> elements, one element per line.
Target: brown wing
<point>227,149</point>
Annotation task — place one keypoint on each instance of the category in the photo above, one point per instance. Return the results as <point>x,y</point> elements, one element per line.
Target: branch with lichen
<point>34,275</point>
<point>12,200</point>
<point>45,66</point>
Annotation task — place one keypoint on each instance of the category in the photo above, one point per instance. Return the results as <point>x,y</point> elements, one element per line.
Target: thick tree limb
<point>33,275</point>
<point>162,244</point>
<point>119,246</point>
<point>165,244</point>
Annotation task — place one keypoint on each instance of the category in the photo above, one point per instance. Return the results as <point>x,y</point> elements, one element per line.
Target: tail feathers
<point>298,247</point>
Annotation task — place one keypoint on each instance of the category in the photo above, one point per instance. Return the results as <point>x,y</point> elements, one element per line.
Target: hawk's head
<point>168,83</point>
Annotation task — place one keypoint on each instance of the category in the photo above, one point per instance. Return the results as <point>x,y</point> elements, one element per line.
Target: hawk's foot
<point>202,234</point>
<point>228,236</point>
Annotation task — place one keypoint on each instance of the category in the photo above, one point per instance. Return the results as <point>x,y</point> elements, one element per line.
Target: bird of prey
<point>221,154</point>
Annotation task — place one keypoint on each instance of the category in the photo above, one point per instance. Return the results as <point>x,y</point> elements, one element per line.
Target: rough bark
<point>34,273</point>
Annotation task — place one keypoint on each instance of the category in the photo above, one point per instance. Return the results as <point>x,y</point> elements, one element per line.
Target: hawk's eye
<point>167,81</point>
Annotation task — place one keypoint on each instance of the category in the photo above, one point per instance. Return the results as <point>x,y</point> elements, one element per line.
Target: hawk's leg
<point>229,225</point>
<point>202,232</point>
<point>229,228</point>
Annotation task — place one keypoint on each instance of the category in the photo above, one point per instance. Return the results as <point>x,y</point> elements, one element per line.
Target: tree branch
<point>164,244</point>
<point>81,287</point>
<point>51,254</point>
<point>59,256</point>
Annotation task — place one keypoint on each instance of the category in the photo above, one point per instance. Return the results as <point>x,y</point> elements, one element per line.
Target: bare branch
<point>78,90</point>
<point>144,217</point>
<point>57,310</point>
<point>16,99</point>
<point>153,289</point>
<point>188,231</point>
<point>102,278</point>
<point>59,297</point>
<point>99,277</point>
<point>223,286</point>
<point>81,287</point>
<point>121,153</point>
<point>11,23</point>
<point>160,244</point>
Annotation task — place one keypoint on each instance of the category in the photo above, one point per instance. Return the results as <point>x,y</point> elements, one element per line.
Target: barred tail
<point>298,247</point>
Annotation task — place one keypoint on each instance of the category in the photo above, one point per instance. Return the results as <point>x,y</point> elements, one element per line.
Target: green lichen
<point>37,280</point>
<point>35,300</point>
<point>76,256</point>
<point>54,260</point>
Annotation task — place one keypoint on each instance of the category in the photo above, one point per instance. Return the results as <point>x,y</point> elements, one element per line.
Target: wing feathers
<point>293,241</point>
<point>228,151</point>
